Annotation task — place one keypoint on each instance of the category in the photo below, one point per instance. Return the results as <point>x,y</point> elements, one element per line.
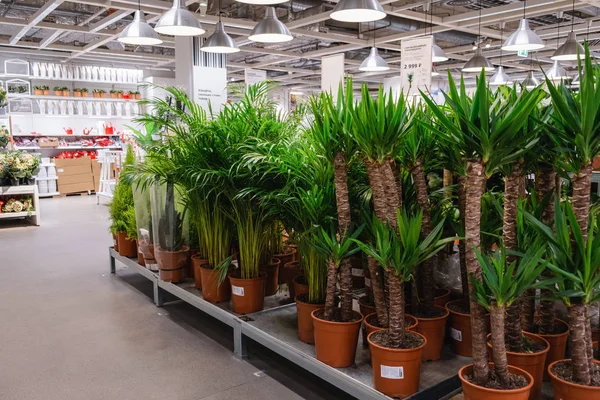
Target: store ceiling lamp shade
<point>139,32</point>
<point>500,78</point>
<point>556,72</point>
<point>569,49</point>
<point>523,39</point>
<point>530,81</point>
<point>434,71</point>
<point>478,62</point>
<point>374,62</point>
<point>179,21</point>
<point>437,54</point>
<point>262,2</point>
<point>270,29</point>
<point>358,11</point>
<point>220,41</point>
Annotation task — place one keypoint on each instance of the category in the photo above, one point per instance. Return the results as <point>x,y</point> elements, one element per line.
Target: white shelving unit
<point>7,191</point>
<point>70,148</point>
<point>73,98</point>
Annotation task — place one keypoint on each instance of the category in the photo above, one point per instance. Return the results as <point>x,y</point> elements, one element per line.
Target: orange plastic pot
<point>197,262</point>
<point>300,286</point>
<point>442,297</point>
<point>365,309</point>
<point>272,276</point>
<point>564,390</point>
<point>127,247</point>
<point>434,330</point>
<point>140,255</point>
<point>335,342</point>
<point>172,264</point>
<point>305,322</point>
<point>475,392</point>
<point>285,258</point>
<point>558,346</point>
<point>533,363</point>
<point>396,372</point>
<point>370,325</point>
<point>247,295</point>
<point>212,291</point>
<point>288,273</point>
<point>460,330</point>
<point>115,242</point>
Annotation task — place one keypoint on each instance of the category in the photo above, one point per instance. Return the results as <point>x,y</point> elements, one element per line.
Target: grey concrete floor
<point>71,330</point>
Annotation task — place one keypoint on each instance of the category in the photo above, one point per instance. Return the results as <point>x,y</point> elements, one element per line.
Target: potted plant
<point>58,91</point>
<point>114,93</point>
<point>38,90</point>
<point>102,93</point>
<point>96,92</point>
<point>84,92</point>
<point>396,354</point>
<point>119,207</point>
<point>4,137</point>
<point>119,94</point>
<point>77,92</point>
<point>66,91</point>
<point>46,90</point>
<point>134,94</point>
<point>143,218</point>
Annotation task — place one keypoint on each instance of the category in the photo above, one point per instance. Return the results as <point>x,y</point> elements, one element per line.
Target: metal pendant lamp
<point>523,39</point>
<point>179,21</point>
<point>571,48</point>
<point>270,29</point>
<point>478,62</point>
<point>437,53</point>
<point>139,32</point>
<point>434,71</point>
<point>530,81</point>
<point>500,78</point>
<point>358,11</point>
<point>220,41</point>
<point>374,62</point>
<point>262,2</point>
<point>556,72</point>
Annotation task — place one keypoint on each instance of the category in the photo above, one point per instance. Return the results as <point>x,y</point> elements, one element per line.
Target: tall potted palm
<point>396,354</point>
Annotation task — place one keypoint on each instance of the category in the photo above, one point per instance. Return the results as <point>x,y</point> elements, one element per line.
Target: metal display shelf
<point>275,328</point>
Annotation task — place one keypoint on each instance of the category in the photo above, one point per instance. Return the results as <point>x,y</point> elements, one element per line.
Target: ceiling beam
<point>37,17</point>
<point>109,20</point>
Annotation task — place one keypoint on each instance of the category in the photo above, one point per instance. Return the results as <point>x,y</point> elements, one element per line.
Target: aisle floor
<point>71,330</point>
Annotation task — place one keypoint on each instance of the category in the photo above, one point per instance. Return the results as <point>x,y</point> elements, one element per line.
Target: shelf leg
<point>158,294</point>
<point>112,261</point>
<point>239,341</point>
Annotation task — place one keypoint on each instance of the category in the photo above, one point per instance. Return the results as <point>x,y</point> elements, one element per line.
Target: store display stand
<point>274,328</point>
<point>19,190</point>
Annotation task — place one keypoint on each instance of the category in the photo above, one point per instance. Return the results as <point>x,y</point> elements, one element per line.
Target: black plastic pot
<point>14,181</point>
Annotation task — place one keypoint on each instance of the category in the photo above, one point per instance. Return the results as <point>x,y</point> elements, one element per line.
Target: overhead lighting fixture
<point>374,62</point>
<point>262,2</point>
<point>434,71</point>
<point>556,72</point>
<point>478,62</point>
<point>358,11</point>
<point>139,32</point>
<point>500,78</point>
<point>179,21</point>
<point>220,41</point>
<point>530,81</point>
<point>437,54</point>
<point>523,39</point>
<point>270,29</point>
<point>571,48</point>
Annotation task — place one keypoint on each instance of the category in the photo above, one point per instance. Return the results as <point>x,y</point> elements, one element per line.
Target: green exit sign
<point>522,53</point>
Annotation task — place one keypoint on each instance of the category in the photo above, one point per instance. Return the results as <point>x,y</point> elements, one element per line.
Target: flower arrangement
<point>17,165</point>
<point>18,205</point>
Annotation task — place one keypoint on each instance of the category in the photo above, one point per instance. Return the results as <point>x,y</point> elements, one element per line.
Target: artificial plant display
<point>120,207</point>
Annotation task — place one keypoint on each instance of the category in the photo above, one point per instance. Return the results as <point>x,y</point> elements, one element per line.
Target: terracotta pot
<point>286,258</point>
<point>115,242</point>
<point>296,253</point>
<point>305,322</point>
<point>138,96</point>
<point>211,290</point>
<point>38,92</point>
<point>442,296</point>
<point>77,94</point>
<point>171,264</point>
<point>558,346</point>
<point>533,363</point>
<point>475,392</point>
<point>247,295</point>
<point>66,93</point>
<point>335,342</point>
<point>300,286</point>
<point>113,95</point>
<point>140,255</point>
<point>84,94</point>
<point>119,95</point>
<point>198,261</point>
<point>47,92</point>
<point>434,330</point>
<point>460,330</point>
<point>127,247</point>
<point>396,372</point>
<point>58,92</point>
<point>287,274</point>
<point>103,95</point>
<point>564,390</point>
<point>272,272</point>
<point>365,309</point>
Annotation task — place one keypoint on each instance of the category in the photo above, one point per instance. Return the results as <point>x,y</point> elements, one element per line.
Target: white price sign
<point>416,64</point>
<point>237,290</point>
<point>392,372</point>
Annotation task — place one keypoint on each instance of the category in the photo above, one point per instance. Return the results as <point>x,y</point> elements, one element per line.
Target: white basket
<point>43,186</point>
<point>51,172</point>
<point>52,186</point>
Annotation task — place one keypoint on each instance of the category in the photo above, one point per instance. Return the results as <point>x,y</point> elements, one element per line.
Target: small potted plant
<point>135,95</point>
<point>38,90</point>
<point>77,92</point>
<point>58,91</point>
<point>3,141</point>
<point>84,92</point>
<point>46,90</point>
<point>114,93</point>
<point>102,93</point>
<point>119,94</point>
<point>66,91</point>
<point>119,208</point>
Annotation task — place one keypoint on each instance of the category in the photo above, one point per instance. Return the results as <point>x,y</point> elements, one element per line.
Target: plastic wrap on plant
<point>447,273</point>
<point>143,220</point>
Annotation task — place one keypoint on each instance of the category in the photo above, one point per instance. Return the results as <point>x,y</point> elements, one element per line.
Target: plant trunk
<point>498,345</point>
<point>528,310</point>
<point>512,185</point>
<point>392,194</point>
<point>462,204</point>
<point>346,289</point>
<point>474,191</point>
<point>397,173</point>
<point>330,294</point>
<point>375,181</point>
<point>589,349</point>
<point>396,311</point>
<point>426,278</point>
<point>377,289</point>
<point>582,183</point>
<point>581,369</point>
<point>447,183</point>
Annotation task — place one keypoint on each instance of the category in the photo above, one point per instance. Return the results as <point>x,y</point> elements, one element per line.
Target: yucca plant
<point>486,128</point>
<point>504,282</point>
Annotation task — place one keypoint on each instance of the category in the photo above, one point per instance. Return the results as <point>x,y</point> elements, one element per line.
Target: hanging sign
<point>416,64</point>
<point>332,73</point>
<point>254,76</point>
<point>210,87</point>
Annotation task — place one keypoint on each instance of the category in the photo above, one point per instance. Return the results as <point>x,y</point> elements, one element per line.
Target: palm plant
<point>486,128</point>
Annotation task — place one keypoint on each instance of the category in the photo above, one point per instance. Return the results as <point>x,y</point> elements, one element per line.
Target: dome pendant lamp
<point>478,62</point>
<point>557,73</point>
<point>500,77</point>
<point>139,32</point>
<point>358,11</point>
<point>374,62</point>
<point>220,41</point>
<point>530,82</point>
<point>179,21</point>
<point>569,50</point>
<point>523,38</point>
<point>262,2</point>
<point>270,29</point>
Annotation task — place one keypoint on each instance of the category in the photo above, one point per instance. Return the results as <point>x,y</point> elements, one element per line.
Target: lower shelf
<point>49,194</point>
<point>7,215</point>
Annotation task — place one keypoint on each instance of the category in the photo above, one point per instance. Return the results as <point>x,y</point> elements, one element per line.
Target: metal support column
<point>239,340</point>
<point>112,261</point>
<point>158,294</point>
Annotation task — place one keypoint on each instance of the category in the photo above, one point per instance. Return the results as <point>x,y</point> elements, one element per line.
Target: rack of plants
<point>275,328</point>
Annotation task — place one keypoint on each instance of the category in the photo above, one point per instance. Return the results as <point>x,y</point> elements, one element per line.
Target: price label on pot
<point>238,291</point>
<point>358,272</point>
<point>368,282</point>
<point>392,372</point>
<point>456,334</point>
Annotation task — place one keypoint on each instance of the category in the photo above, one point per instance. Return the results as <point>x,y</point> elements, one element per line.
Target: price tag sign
<point>416,64</point>
<point>456,334</point>
<point>237,290</point>
<point>392,372</point>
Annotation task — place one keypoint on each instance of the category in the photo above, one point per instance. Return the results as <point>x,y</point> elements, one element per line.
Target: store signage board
<point>332,73</point>
<point>210,87</point>
<point>253,76</point>
<point>416,64</point>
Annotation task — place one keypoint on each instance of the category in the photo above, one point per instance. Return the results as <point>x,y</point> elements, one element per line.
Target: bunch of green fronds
<point>251,223</point>
<point>315,269</point>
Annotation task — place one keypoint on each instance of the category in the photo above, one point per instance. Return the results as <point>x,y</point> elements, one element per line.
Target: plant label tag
<point>456,334</point>
<point>358,272</point>
<point>392,372</point>
<point>237,290</point>
<point>152,267</point>
<point>368,282</point>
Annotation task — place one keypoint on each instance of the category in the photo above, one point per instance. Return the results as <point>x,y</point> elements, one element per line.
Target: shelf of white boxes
<point>46,179</point>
